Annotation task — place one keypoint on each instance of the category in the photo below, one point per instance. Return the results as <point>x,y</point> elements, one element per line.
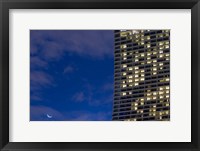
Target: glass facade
<point>142,75</point>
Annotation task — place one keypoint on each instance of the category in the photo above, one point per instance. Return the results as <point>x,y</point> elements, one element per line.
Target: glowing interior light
<point>124,66</point>
<point>130,81</point>
<point>123,93</point>
<point>124,85</point>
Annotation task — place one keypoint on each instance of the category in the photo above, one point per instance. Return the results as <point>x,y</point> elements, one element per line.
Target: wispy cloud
<point>52,50</point>
<point>79,97</point>
<point>35,97</point>
<point>53,44</point>
<point>108,87</point>
<point>95,96</point>
<point>101,101</point>
<point>39,113</point>
<point>35,61</point>
<point>88,116</point>
<point>40,79</point>
<point>68,69</point>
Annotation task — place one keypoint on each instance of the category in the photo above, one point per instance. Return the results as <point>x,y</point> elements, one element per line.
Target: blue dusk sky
<point>71,75</point>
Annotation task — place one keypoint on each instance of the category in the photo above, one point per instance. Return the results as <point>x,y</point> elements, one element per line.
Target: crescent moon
<point>49,116</point>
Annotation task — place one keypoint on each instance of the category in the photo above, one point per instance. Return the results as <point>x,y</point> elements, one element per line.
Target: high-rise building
<point>142,75</point>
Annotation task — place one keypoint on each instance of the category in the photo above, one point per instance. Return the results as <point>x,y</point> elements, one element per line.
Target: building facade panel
<point>142,75</point>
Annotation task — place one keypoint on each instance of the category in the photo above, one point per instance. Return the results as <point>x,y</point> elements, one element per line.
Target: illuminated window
<point>166,46</point>
<point>130,69</point>
<point>166,54</point>
<point>148,98</point>
<point>142,43</point>
<point>136,68</point>
<point>148,58</point>
<point>160,56</point>
<point>167,42</point>
<point>161,80</point>
<point>167,104</point>
<point>123,46</point>
<point>124,73</point>
<point>130,80</point>
<point>124,66</point>
<point>123,81</point>
<point>136,36</point>
<point>148,94</point>
<point>161,43</point>
<point>130,92</point>
<point>136,60</point>
<point>160,64</point>
<point>123,34</point>
<point>130,77</point>
<point>154,69</point>
<point>136,79</point>
<point>124,58</point>
<point>161,48</point>
<point>148,37</point>
<point>124,85</point>
<point>142,79</point>
<point>136,84</point>
<point>142,54</point>
<point>123,93</point>
<point>136,75</point>
<point>161,97</point>
<point>167,96</point>
<point>167,79</point>
<point>154,60</point>
<point>160,51</point>
<point>148,45</point>
<point>124,54</point>
<point>154,52</point>
<point>141,111</point>
<point>167,87</point>
<point>154,97</point>
<point>154,93</point>
<point>142,71</point>
<point>142,99</point>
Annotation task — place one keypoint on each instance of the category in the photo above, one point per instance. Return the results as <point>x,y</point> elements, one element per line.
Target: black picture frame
<point>5,5</point>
